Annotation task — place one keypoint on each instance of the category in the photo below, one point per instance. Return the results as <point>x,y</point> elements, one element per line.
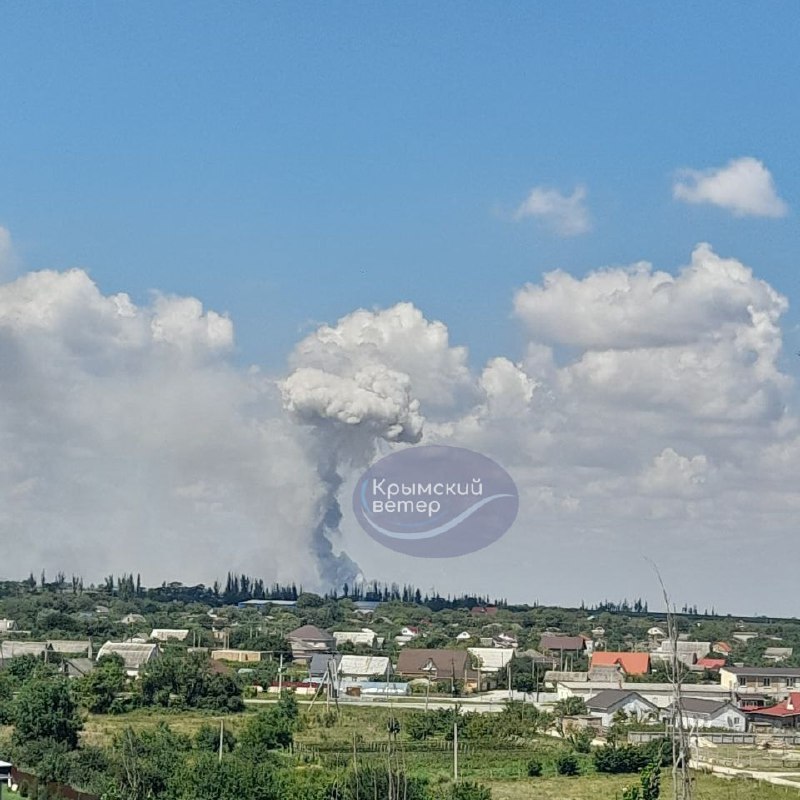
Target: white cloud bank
<point>132,443</point>
<point>744,186</point>
<point>565,215</point>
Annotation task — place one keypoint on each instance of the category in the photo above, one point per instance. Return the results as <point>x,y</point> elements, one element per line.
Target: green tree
<point>207,739</point>
<point>204,778</point>
<point>267,730</point>
<point>144,762</point>
<point>570,707</point>
<point>99,688</point>
<point>45,709</point>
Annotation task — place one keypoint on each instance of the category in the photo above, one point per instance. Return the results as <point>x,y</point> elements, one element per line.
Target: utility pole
<point>221,734</point>
<point>280,676</point>
<point>508,680</point>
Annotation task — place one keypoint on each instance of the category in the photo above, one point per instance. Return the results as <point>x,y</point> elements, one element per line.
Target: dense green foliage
<point>177,680</point>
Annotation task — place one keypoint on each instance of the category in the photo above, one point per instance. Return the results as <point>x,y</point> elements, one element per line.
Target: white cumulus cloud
<point>744,186</point>
<point>565,215</point>
<point>648,416</point>
<point>130,443</point>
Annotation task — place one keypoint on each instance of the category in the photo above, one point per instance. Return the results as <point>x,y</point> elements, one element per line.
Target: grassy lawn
<point>99,729</point>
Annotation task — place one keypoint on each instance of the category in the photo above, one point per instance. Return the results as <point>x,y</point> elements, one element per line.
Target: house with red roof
<point>710,664</point>
<point>629,663</point>
<point>783,715</point>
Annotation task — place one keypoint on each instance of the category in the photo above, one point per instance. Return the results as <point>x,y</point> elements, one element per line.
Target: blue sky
<point>287,163</point>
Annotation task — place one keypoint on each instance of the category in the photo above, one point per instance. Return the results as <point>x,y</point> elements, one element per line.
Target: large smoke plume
<point>359,383</point>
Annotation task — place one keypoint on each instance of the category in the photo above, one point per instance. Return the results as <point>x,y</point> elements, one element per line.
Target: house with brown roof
<point>437,665</point>
<point>307,640</point>
<point>562,645</point>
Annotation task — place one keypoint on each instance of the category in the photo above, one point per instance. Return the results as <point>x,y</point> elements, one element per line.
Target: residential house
<point>539,659</point>
<point>364,637</point>
<point>322,665</point>
<point>77,667</point>
<point>745,636</point>
<point>362,667</point>
<point>134,656</point>
<point>239,656</point>
<point>628,663</point>
<point>490,660</point>
<point>723,648</point>
<point>71,647</point>
<point>777,654</point>
<point>169,634</point>
<point>464,636</point>
<point>15,649</point>
<point>720,714</point>
<point>7,625</point>
<point>133,619</point>
<point>564,648</point>
<point>437,665</point>
<point>766,680</point>
<point>659,694</point>
<point>483,611</point>
<point>609,702</point>
<point>710,664</point>
<point>688,652</point>
<point>505,640</point>
<point>611,675</point>
<point>781,716</point>
<point>309,639</point>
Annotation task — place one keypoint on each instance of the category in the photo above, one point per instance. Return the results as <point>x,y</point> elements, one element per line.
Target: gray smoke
<point>348,416</point>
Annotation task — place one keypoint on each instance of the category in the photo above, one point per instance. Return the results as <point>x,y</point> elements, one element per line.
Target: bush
<point>619,759</point>
<point>534,768</point>
<point>616,759</point>
<point>658,750</point>
<point>567,764</point>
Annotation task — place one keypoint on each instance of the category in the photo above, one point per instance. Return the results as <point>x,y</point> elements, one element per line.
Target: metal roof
<point>492,659</point>
<point>363,665</point>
